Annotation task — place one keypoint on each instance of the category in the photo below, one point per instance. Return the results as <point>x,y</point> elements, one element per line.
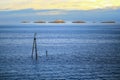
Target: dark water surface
<point>75,52</point>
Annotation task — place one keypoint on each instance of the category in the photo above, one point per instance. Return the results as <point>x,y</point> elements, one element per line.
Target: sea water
<point>75,52</point>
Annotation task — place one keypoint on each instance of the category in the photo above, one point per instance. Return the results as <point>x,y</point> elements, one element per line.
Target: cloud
<point>59,4</point>
<point>52,13</point>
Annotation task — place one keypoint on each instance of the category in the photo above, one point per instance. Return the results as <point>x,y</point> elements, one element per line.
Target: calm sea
<point>75,52</point>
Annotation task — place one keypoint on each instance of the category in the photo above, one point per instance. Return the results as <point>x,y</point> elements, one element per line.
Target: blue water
<point>75,52</point>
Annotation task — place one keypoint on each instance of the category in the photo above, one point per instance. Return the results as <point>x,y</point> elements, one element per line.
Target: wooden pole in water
<point>34,47</point>
<point>46,53</point>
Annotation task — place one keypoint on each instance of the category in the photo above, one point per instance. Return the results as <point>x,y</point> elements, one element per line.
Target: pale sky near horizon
<point>12,11</point>
<point>59,4</point>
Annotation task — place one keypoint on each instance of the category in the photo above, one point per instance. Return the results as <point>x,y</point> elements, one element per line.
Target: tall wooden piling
<point>34,47</point>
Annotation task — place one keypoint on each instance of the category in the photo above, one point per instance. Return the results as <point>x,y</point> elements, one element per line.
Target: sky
<point>90,10</point>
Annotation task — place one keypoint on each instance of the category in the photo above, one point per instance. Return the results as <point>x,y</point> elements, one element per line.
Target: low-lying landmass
<point>57,21</point>
<point>25,22</point>
<point>78,22</point>
<point>108,22</point>
<point>62,21</point>
<point>39,22</point>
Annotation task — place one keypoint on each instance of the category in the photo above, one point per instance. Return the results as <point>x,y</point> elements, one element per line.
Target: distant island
<point>57,21</point>
<point>25,22</point>
<point>108,22</point>
<point>62,21</point>
<point>78,22</point>
<point>39,22</point>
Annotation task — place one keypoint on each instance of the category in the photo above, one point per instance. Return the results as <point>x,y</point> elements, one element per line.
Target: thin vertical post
<point>34,47</point>
<point>46,53</point>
